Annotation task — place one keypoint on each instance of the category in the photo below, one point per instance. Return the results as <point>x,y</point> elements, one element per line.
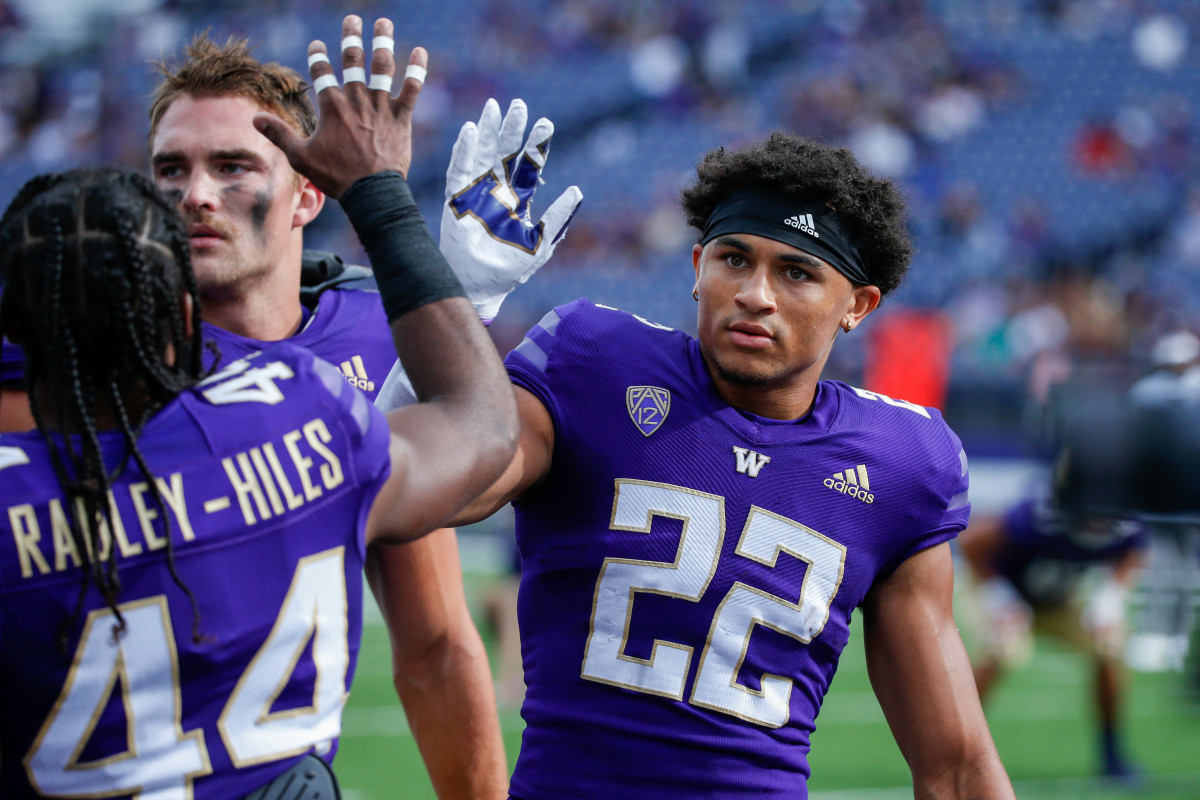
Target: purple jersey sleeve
<point>689,571</point>
<point>265,474</point>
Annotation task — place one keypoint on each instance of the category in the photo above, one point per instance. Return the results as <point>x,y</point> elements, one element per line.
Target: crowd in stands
<point>1048,147</point>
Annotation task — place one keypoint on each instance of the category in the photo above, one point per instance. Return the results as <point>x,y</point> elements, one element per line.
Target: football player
<point>1066,575</point>
<point>180,579</point>
<point>698,518</point>
<point>246,210</point>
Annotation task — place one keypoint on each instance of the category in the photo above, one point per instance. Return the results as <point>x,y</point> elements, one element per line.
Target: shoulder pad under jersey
<point>320,270</point>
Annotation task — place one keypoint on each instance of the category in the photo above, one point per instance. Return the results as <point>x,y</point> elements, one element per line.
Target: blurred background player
<point>1066,575</point>
<point>151,498</point>
<point>698,518</point>
<point>1170,395</point>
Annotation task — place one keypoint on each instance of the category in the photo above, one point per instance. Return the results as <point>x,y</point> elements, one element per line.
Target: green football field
<point>1040,719</point>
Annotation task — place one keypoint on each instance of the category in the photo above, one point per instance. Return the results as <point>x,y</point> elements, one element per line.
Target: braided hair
<point>94,265</point>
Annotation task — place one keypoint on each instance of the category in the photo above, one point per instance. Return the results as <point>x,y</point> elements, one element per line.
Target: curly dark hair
<point>871,208</point>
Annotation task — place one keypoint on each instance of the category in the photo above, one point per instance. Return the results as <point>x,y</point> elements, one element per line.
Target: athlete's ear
<point>697,249</point>
<point>185,309</point>
<point>864,300</point>
<point>310,201</point>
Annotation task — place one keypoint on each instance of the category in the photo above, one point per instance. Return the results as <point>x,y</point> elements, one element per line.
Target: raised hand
<point>361,128</point>
<point>488,233</point>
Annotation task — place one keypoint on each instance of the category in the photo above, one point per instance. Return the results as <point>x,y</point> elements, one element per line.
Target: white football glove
<point>488,233</point>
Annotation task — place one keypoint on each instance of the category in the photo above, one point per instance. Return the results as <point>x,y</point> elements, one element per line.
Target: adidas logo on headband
<point>804,222</point>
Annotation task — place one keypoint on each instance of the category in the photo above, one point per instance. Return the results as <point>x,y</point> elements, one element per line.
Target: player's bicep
<point>920,672</point>
<point>531,463</point>
<point>427,488</point>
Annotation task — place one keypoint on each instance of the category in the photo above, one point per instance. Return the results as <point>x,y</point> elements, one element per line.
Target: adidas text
<point>360,383</point>
<point>854,482</point>
<point>850,489</point>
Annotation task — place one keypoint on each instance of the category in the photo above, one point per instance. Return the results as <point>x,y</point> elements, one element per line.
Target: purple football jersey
<point>1045,559</point>
<point>268,470</point>
<point>348,328</point>
<point>689,570</point>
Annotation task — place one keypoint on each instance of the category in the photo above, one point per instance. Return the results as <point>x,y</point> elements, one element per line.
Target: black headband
<point>807,225</point>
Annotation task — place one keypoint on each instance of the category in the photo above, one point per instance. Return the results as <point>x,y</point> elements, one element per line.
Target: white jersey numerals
<point>703,516</point>
<point>315,608</point>
<point>241,383</point>
<point>891,401</point>
<point>161,760</point>
<point>764,537</point>
<point>144,662</point>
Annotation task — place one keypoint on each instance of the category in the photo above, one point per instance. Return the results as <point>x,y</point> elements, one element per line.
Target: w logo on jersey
<point>750,462</point>
<point>648,407</point>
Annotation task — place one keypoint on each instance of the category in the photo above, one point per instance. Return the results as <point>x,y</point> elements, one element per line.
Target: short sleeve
<point>529,363</point>
<point>954,511</point>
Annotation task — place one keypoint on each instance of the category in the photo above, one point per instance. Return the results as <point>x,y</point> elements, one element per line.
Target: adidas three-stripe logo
<point>854,482</point>
<point>355,372</point>
<point>804,222</point>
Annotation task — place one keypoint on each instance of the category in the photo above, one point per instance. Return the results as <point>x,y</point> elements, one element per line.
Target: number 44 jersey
<point>689,570</point>
<point>266,473</point>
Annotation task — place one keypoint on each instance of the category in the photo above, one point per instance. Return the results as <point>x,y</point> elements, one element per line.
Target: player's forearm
<point>439,665</point>
<point>448,356</point>
<point>453,364</point>
<point>981,778</point>
<point>919,670</point>
<point>451,709</point>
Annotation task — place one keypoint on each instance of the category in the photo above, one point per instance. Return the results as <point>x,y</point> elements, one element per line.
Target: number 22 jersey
<point>689,570</point>
<point>268,470</point>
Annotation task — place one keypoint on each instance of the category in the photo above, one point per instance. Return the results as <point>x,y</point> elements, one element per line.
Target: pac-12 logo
<point>648,407</point>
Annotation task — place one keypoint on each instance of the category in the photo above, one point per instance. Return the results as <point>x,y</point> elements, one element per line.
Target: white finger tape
<point>324,82</point>
<point>381,82</point>
<point>383,43</point>
<point>354,75</point>
<point>317,58</point>
<point>415,71</point>
<point>351,41</point>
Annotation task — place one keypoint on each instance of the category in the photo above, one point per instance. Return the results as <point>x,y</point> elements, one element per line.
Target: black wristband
<point>409,268</point>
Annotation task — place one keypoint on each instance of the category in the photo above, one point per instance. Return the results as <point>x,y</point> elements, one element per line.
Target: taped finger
<point>383,62</point>
<point>416,72</point>
<point>353,57</point>
<point>320,69</point>
<point>323,82</point>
